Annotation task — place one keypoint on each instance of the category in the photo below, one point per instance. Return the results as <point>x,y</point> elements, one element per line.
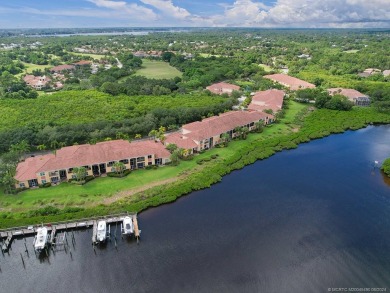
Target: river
<point>304,220</point>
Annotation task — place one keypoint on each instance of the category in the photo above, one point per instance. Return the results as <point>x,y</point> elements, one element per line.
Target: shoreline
<point>318,124</point>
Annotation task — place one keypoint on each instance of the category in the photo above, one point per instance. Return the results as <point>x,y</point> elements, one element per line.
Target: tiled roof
<point>222,87</point>
<point>289,81</point>
<point>83,62</point>
<point>82,155</point>
<point>217,125</point>
<point>270,99</point>
<point>349,93</point>
<point>62,68</point>
<point>27,169</point>
<point>180,140</point>
<point>36,80</point>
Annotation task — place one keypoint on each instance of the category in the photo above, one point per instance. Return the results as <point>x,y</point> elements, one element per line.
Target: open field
<point>266,67</point>
<point>94,56</point>
<point>31,67</point>
<point>351,51</point>
<point>158,70</point>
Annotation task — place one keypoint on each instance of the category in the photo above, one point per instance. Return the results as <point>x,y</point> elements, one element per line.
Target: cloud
<point>305,13</point>
<point>131,9</point>
<point>169,9</point>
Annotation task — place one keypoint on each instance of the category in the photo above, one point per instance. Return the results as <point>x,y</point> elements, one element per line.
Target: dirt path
<point>126,193</point>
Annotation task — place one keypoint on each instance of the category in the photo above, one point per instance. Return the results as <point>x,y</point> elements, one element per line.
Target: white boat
<point>127,226</point>
<point>40,240</point>
<point>101,231</point>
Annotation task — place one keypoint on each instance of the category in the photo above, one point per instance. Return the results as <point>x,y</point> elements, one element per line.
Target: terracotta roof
<point>270,99</point>
<point>82,155</point>
<point>222,88</point>
<point>217,125</point>
<point>62,68</point>
<point>180,140</point>
<point>82,62</point>
<point>28,169</point>
<point>349,93</point>
<point>35,81</point>
<point>291,82</point>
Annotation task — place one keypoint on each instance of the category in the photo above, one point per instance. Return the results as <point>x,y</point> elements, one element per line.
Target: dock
<point>7,235</point>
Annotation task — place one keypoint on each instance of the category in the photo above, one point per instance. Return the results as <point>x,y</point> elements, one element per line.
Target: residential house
<point>354,96</point>
<point>267,100</point>
<point>223,88</point>
<point>61,68</point>
<point>386,73</point>
<point>98,159</point>
<point>205,134</point>
<point>82,63</point>
<point>290,82</point>
<point>36,82</point>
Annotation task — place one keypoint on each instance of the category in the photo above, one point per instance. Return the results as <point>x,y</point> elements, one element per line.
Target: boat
<point>40,240</point>
<point>127,228</point>
<point>101,231</point>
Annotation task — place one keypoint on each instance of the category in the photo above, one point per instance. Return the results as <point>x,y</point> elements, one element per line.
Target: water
<point>303,220</point>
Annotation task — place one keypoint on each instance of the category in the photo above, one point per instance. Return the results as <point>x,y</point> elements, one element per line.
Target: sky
<point>195,13</point>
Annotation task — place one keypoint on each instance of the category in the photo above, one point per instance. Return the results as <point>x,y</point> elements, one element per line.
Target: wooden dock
<point>53,228</point>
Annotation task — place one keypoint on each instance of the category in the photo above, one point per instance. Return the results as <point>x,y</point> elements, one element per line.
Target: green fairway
<point>158,70</point>
<point>266,67</point>
<point>31,67</point>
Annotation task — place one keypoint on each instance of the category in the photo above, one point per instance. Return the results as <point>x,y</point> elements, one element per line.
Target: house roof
<point>181,140</point>
<point>86,154</point>
<point>292,83</point>
<point>217,125</point>
<point>28,169</point>
<point>269,99</point>
<point>386,72</point>
<point>222,87</point>
<point>82,62</point>
<point>349,93</point>
<point>36,80</point>
<point>62,68</point>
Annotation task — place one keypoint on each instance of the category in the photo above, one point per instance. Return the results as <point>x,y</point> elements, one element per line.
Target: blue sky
<point>220,13</point>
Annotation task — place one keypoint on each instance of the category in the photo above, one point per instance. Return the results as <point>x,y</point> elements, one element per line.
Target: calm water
<point>301,221</point>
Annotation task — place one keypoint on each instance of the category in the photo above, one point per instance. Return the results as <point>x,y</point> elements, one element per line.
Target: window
<point>110,163</point>
<point>43,181</point>
<point>149,163</point>
<point>132,162</point>
<point>42,174</point>
<point>252,124</point>
<point>150,156</point>
<point>124,161</point>
<point>70,170</point>
<point>22,185</point>
<point>140,159</point>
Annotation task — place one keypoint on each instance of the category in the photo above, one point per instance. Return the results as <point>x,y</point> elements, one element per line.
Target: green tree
<point>259,126</point>
<point>225,138</point>
<point>80,173</point>
<point>386,166</point>
<point>175,157</point>
<point>119,168</point>
<point>171,147</point>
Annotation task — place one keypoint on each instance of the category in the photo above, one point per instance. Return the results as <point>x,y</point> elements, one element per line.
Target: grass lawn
<point>158,70</point>
<point>266,67</point>
<point>206,55</point>
<point>351,51</point>
<point>94,56</point>
<point>30,67</point>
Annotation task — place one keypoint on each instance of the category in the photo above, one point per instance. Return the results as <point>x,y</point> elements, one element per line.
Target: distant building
<point>267,100</point>
<point>354,96</point>
<point>369,71</point>
<point>205,134</point>
<point>82,63</point>
<point>386,73</point>
<point>97,159</point>
<point>61,68</point>
<point>36,82</point>
<point>223,88</point>
<point>290,82</point>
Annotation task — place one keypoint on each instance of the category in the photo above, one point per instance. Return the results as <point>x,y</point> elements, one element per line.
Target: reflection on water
<point>386,178</point>
<point>304,220</point>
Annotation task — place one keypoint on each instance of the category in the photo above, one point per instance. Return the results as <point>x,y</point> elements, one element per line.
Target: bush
<point>125,173</point>
<point>386,167</point>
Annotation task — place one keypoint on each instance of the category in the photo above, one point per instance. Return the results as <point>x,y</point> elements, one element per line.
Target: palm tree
<point>119,168</point>
<point>41,147</point>
<point>259,126</point>
<point>225,139</point>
